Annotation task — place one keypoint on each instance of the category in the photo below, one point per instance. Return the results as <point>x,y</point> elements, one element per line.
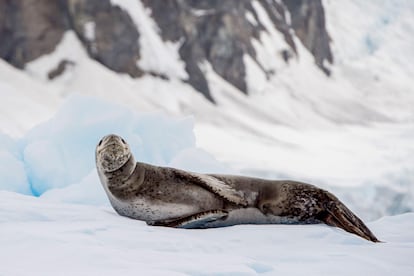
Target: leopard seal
<point>163,196</point>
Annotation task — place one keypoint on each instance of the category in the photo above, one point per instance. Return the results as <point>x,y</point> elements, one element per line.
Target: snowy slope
<point>353,129</point>
<point>56,158</point>
<point>39,237</point>
<point>373,51</point>
<point>25,101</point>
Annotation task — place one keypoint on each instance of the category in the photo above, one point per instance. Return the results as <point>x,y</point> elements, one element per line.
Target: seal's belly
<point>254,216</point>
<point>151,210</point>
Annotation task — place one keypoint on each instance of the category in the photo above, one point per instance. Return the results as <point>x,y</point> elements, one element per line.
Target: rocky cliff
<point>219,32</point>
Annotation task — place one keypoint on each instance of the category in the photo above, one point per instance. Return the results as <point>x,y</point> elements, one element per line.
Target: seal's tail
<point>337,214</point>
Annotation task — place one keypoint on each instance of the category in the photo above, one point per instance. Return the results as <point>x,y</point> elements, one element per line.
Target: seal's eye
<point>123,141</point>
<point>100,143</point>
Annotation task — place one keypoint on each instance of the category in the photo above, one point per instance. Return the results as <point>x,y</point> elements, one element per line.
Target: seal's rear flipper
<point>198,220</point>
<point>337,214</point>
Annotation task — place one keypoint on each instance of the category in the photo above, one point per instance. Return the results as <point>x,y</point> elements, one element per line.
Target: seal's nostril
<point>107,157</point>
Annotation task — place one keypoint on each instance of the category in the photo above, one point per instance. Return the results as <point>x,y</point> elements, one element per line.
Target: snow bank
<point>58,156</point>
<point>12,171</point>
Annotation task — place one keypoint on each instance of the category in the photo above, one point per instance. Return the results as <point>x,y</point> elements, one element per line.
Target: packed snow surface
<point>39,237</point>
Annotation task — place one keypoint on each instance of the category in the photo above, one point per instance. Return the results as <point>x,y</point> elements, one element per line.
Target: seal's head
<point>112,152</point>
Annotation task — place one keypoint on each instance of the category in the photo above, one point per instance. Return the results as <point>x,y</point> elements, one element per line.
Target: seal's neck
<point>123,173</point>
<point>126,180</point>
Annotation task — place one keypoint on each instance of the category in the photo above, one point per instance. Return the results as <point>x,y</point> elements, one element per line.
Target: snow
<point>61,151</point>
<point>40,237</point>
<point>376,55</point>
<point>157,56</point>
<point>24,102</point>
<point>69,49</point>
<point>255,77</point>
<point>13,176</point>
<point>271,43</point>
<point>251,19</point>
<point>89,30</point>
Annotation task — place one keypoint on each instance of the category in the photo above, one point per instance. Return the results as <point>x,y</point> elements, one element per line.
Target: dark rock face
<point>115,41</point>
<point>32,28</point>
<point>29,29</point>
<point>215,31</point>
<point>56,72</point>
<point>277,13</point>
<point>219,32</point>
<point>308,21</point>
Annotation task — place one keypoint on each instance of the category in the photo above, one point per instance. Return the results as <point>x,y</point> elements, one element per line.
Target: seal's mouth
<point>112,161</point>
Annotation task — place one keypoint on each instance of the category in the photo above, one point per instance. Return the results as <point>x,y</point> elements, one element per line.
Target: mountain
<point>279,53</point>
<point>222,33</point>
<point>319,91</point>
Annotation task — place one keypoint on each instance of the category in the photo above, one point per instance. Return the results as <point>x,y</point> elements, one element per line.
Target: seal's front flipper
<point>212,184</point>
<point>198,220</point>
<point>337,214</point>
